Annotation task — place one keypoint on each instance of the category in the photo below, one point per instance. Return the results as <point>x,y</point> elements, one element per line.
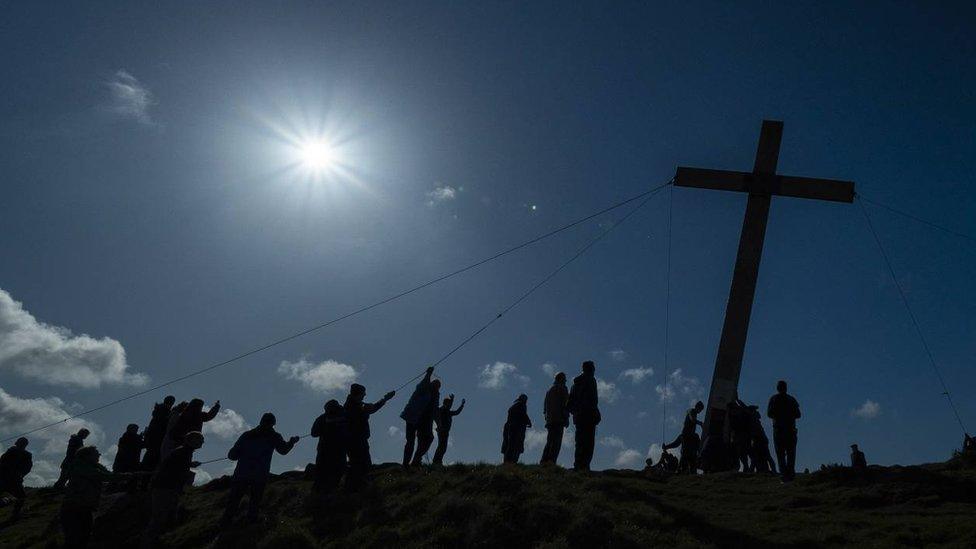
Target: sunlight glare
<point>317,155</point>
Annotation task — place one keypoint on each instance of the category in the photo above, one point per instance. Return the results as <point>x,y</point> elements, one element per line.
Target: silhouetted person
<point>690,446</point>
<point>858,461</point>
<point>155,431</point>
<point>15,463</point>
<point>583,404</point>
<point>665,464</point>
<point>83,492</point>
<point>418,415</point>
<point>253,452</point>
<point>191,419</point>
<point>168,443</point>
<point>688,427</point>
<point>129,447</point>
<point>784,410</point>
<point>330,455</point>
<point>968,443</point>
<point>357,416</point>
<point>513,434</point>
<point>741,437</point>
<point>172,475</point>
<point>762,460</point>
<point>75,442</point>
<point>444,419</point>
<point>557,418</point>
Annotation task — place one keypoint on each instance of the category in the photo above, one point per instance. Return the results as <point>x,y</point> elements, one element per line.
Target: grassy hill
<point>530,506</point>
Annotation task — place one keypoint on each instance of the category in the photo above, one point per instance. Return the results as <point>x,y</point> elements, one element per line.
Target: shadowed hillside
<point>491,506</point>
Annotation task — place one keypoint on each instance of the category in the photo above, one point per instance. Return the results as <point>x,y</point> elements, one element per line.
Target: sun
<point>317,156</point>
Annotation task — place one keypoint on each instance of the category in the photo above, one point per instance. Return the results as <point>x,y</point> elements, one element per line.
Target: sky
<point>156,216</point>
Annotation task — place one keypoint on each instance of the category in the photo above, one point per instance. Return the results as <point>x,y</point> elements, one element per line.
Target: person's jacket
<point>555,408</point>
<point>513,434</point>
<point>445,416</point>
<point>173,472</point>
<point>253,451</point>
<point>357,416</point>
<point>75,443</point>
<point>331,430</point>
<point>156,429</point>
<point>584,400</point>
<point>190,420</point>
<point>784,410</point>
<point>85,480</point>
<point>422,402</point>
<point>127,455</point>
<point>15,463</point>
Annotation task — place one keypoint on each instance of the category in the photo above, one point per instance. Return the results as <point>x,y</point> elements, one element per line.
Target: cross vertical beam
<point>728,362</point>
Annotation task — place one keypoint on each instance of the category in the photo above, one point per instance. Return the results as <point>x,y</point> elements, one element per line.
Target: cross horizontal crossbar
<point>781,185</point>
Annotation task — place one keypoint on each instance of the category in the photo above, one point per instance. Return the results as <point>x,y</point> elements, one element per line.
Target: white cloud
<point>202,477</point>
<point>569,438</point>
<point>637,375</point>
<point>679,385</point>
<point>550,369</point>
<point>607,391</point>
<point>44,473</point>
<point>108,456</point>
<point>628,458</point>
<point>495,376</point>
<point>440,194</point>
<point>618,355</point>
<point>869,410</point>
<point>612,441</point>
<point>325,377</point>
<point>394,431</point>
<point>535,438</point>
<point>54,355</point>
<point>226,425</point>
<point>18,415</point>
<point>130,98</point>
<point>654,452</point>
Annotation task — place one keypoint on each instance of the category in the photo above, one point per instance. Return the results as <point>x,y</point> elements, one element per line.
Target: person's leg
<point>584,446</point>
<point>674,443</point>
<point>233,502</point>
<point>442,437</point>
<point>791,454</point>
<point>780,448</point>
<point>62,478</point>
<point>411,432</point>
<point>254,504</point>
<point>425,437</point>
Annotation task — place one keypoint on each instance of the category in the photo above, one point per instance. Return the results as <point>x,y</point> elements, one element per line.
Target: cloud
<point>550,369</point>
<point>44,473</point>
<point>869,410</point>
<point>535,438</point>
<point>54,355</point>
<point>618,355</point>
<point>637,375</point>
<point>607,391</point>
<point>227,425</point>
<point>202,477</point>
<point>18,415</point>
<point>628,458</point>
<point>679,385</point>
<point>495,376</point>
<point>325,377</point>
<point>612,441</point>
<point>441,194</point>
<point>654,452</point>
<point>130,98</point>
<point>394,431</point>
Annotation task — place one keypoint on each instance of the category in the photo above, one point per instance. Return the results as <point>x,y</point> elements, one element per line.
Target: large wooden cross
<point>761,184</point>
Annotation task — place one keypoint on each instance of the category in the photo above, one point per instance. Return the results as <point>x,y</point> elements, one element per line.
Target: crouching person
<point>253,452</point>
<point>167,486</point>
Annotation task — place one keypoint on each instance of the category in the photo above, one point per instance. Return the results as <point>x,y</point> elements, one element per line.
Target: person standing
<point>418,415</point>
<point>129,447</point>
<point>330,455</point>
<point>445,419</point>
<point>172,475</point>
<point>858,460</point>
<point>82,495</point>
<point>15,463</point>
<point>357,415</point>
<point>190,419</point>
<point>513,434</point>
<point>784,410</point>
<point>155,431</point>
<point>583,404</point>
<point>75,442</point>
<point>253,452</point>
<point>557,418</point>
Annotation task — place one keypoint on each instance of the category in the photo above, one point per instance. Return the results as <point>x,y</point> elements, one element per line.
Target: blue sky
<point>151,200</point>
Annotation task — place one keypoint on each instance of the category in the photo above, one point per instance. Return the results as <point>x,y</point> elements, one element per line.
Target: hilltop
<point>530,506</point>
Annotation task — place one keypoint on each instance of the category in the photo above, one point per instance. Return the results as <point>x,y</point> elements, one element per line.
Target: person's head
<point>447,402</point>
<point>195,404</point>
<point>193,440</point>
<point>436,384</point>
<point>132,428</point>
<point>560,378</point>
<point>699,406</point>
<point>83,433</point>
<point>332,406</point>
<point>268,420</point>
<point>781,386</point>
<point>589,367</point>
<point>21,443</point>
<point>88,454</point>
<point>169,400</point>
<point>854,447</point>
<point>357,392</point>
<point>522,399</point>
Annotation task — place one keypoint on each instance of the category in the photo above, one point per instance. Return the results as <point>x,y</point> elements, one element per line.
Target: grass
<point>530,506</point>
